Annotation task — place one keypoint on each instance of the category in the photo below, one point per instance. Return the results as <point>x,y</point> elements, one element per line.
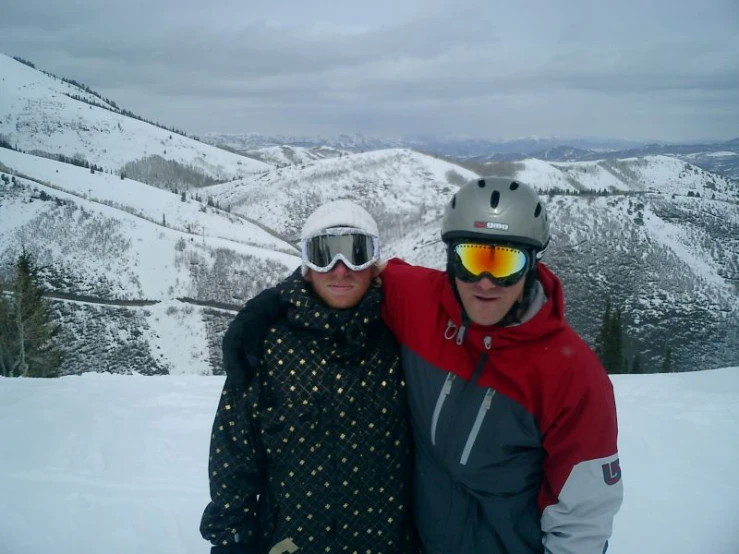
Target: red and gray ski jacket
<point>515,428</point>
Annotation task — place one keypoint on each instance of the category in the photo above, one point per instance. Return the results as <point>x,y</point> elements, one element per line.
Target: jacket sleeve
<point>404,287</point>
<point>582,489</point>
<point>230,521</point>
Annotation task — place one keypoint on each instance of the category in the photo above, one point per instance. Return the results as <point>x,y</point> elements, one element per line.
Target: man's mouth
<point>340,288</point>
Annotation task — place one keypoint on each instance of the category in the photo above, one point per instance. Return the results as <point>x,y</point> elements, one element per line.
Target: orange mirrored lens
<point>499,261</point>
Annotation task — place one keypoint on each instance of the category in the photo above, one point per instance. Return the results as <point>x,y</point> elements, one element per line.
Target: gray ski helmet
<point>496,209</point>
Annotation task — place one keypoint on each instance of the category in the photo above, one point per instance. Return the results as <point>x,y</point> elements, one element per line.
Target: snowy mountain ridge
<point>391,184</point>
<point>461,147</point>
<point>38,113</point>
<point>293,155</point>
<point>720,157</point>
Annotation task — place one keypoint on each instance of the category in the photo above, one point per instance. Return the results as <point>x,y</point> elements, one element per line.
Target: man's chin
<point>485,317</point>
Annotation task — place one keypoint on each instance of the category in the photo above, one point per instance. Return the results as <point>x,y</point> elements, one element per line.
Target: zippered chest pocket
<point>459,413</point>
<point>499,445</point>
<point>475,431</point>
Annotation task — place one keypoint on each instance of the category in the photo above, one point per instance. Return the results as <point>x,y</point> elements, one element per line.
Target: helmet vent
<point>514,185</point>
<point>537,211</point>
<point>481,183</point>
<point>454,201</point>
<point>494,199</point>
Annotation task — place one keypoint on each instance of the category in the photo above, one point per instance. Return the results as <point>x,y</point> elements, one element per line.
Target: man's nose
<point>486,283</point>
<point>340,269</point>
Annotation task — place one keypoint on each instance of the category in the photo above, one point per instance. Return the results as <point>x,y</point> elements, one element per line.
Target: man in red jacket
<point>514,418</point>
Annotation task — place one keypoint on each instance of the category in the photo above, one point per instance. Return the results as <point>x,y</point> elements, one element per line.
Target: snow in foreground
<point>118,464</point>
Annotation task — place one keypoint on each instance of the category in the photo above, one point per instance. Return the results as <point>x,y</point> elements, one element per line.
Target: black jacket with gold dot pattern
<point>314,452</point>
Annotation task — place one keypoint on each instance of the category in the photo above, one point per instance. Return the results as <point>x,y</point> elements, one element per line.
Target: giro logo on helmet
<point>491,225</point>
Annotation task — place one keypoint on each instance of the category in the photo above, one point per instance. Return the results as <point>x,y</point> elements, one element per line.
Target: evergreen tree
<point>28,337</point>
<point>636,365</point>
<point>7,334</point>
<point>609,342</point>
<point>603,332</point>
<point>667,360</point>
<point>619,360</point>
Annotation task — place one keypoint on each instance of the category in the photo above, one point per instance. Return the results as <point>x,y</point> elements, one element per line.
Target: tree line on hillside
<point>24,62</point>
<point>111,105</point>
<point>77,160</point>
<point>166,174</point>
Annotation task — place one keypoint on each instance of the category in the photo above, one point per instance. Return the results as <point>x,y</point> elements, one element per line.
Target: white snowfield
<point>118,464</point>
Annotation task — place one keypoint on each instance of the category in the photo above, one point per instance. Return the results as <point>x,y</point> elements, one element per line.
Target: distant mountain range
<point>719,157</point>
<point>149,239</point>
<point>457,147</point>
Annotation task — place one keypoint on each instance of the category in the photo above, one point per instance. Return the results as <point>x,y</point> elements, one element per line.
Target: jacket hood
<point>548,320</point>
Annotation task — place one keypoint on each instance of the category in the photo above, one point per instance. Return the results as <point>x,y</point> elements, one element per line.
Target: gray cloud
<point>666,70</point>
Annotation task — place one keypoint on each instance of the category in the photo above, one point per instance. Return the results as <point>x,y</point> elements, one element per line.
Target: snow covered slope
<point>293,155</point>
<point>391,184</point>
<point>136,276</point>
<point>119,463</point>
<point>37,112</point>
<point>660,174</point>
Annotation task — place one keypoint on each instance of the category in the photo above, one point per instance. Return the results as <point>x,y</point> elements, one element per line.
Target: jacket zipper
<point>445,390</point>
<point>481,413</point>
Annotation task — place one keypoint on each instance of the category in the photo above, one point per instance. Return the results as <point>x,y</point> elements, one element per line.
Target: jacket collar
<point>347,327</point>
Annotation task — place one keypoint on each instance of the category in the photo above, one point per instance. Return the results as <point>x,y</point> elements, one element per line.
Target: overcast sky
<point>632,69</point>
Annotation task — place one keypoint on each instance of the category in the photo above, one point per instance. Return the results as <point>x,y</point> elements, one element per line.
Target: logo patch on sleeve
<point>611,473</point>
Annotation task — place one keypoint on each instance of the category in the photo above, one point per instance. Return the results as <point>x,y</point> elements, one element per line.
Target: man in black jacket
<point>312,453</point>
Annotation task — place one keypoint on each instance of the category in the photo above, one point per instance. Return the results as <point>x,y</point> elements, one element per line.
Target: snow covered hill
<point>38,113</point>
<point>136,275</point>
<point>393,185</point>
<point>119,463</point>
<point>658,174</point>
<point>459,147</point>
<point>721,158</point>
<point>293,155</point>
<point>661,174</point>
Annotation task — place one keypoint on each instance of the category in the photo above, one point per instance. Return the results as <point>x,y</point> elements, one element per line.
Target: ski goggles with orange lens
<point>355,249</point>
<point>502,264</point>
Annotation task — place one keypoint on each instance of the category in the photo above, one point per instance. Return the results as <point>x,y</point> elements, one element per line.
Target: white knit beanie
<point>338,213</point>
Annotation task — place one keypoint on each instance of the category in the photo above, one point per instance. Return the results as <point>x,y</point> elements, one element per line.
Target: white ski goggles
<point>356,249</point>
